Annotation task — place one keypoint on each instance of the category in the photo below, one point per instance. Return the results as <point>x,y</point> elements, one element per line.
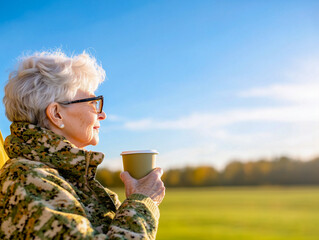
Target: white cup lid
<point>139,151</point>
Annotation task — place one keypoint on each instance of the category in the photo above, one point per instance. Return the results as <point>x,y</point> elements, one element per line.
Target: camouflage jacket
<point>48,191</point>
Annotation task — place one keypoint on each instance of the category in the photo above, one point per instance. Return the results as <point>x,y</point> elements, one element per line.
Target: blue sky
<point>203,82</point>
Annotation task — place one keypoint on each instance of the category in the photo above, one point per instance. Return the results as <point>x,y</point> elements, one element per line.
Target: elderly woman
<point>47,187</point>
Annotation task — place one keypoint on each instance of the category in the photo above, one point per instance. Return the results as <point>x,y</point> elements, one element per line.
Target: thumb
<point>125,176</point>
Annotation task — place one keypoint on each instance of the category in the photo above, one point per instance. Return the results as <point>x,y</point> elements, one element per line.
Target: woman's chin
<point>95,141</point>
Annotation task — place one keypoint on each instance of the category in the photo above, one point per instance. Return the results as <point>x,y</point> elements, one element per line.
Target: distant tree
<point>278,171</point>
<point>264,168</point>
<point>117,180</point>
<point>173,178</point>
<point>307,172</point>
<point>187,177</point>
<point>108,178</point>
<point>233,174</point>
<point>205,176</point>
<point>282,171</point>
<point>104,176</point>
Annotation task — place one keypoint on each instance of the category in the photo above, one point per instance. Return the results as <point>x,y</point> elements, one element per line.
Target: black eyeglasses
<point>97,100</point>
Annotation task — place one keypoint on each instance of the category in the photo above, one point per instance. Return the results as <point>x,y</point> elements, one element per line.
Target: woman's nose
<point>102,115</point>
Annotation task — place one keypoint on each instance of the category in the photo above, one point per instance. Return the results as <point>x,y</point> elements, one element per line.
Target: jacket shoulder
<point>18,168</point>
<point>35,178</point>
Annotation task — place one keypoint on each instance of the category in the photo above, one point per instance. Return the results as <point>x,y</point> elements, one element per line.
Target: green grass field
<point>240,213</point>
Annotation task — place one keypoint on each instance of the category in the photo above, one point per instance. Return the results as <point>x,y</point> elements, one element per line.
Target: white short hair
<point>47,77</point>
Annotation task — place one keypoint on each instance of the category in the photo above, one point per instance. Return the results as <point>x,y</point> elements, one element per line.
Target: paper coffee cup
<point>139,163</point>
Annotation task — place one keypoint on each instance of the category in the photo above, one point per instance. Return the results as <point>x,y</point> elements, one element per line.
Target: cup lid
<point>139,151</point>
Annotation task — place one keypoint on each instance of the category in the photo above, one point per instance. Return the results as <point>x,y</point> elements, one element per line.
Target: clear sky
<point>203,82</point>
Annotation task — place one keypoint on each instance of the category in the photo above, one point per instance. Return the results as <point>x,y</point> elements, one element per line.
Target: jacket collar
<point>40,144</point>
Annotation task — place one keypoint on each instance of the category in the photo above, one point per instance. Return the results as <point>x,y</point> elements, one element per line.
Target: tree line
<point>278,171</point>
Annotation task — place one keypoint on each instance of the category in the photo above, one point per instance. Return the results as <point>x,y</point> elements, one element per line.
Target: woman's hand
<point>151,185</point>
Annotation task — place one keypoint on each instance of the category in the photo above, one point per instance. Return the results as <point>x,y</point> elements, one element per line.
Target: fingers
<point>150,185</point>
<point>154,174</point>
<point>159,171</point>
<point>159,193</point>
<point>129,182</point>
<point>158,196</point>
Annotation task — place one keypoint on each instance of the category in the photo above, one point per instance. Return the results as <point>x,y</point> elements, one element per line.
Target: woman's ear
<point>53,113</point>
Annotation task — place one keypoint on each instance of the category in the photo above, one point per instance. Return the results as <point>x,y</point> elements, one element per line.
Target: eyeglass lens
<point>99,105</point>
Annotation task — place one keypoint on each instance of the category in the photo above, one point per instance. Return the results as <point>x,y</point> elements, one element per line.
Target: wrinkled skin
<point>150,185</point>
